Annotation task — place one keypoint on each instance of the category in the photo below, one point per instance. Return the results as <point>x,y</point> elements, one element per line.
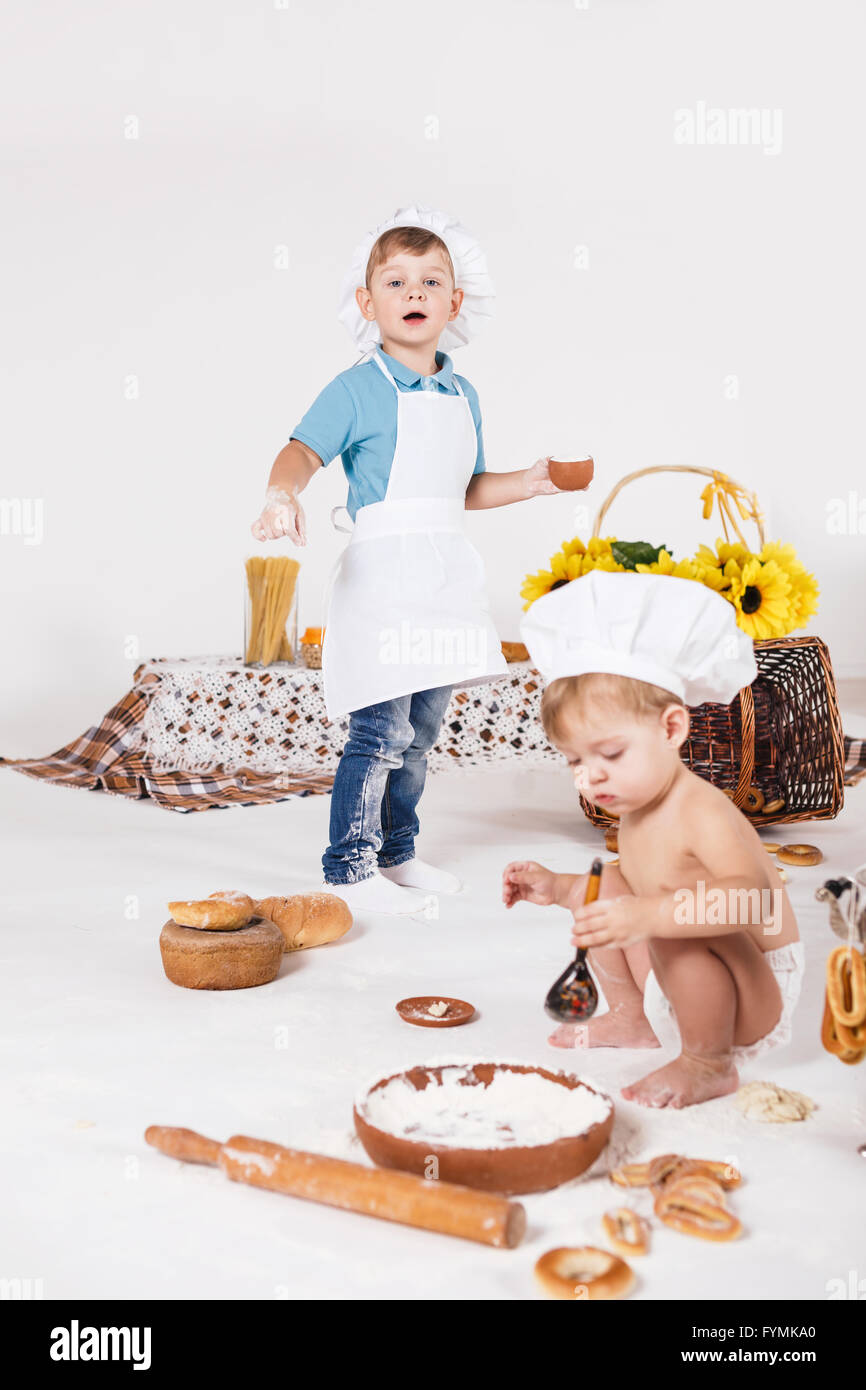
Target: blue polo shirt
<point>356,416</point>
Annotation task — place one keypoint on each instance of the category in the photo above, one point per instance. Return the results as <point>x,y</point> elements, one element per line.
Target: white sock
<point>377,894</point>
<point>415,873</point>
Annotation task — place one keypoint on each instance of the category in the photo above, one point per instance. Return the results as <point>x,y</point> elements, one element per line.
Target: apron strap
<point>347,530</point>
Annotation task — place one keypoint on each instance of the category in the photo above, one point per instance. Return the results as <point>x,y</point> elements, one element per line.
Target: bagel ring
<point>627,1232</point>
<point>583,1272</point>
<point>225,911</point>
<point>846,987</point>
<point>694,1216</point>
<point>753,801</point>
<point>630,1175</point>
<point>771,806</point>
<point>802,855</point>
<point>667,1169</point>
<point>699,1186</point>
<point>830,1040</point>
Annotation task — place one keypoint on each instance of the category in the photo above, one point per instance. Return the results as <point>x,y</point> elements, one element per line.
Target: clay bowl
<point>415,1011</point>
<point>509,1170</point>
<point>572,475</point>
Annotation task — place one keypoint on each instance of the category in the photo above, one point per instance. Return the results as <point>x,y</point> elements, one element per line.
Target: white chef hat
<point>671,632</point>
<point>470,276</point>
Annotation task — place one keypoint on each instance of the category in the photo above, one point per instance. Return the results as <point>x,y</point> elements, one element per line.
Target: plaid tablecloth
<point>243,736</point>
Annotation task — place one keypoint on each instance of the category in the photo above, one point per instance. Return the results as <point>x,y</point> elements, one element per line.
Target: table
<point>216,711</point>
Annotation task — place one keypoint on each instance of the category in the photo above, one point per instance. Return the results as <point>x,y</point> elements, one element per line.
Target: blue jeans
<point>378,784</point>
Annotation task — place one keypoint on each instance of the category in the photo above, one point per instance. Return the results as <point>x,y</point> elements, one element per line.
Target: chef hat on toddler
<point>671,632</point>
<point>470,276</point>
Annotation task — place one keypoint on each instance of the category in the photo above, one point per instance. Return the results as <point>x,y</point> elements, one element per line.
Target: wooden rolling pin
<point>429,1205</point>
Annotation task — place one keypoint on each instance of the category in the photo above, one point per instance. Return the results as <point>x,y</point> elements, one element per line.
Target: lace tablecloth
<point>214,711</point>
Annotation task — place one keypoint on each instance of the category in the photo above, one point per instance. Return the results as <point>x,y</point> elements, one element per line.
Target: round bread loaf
<point>307,919</point>
<point>235,959</point>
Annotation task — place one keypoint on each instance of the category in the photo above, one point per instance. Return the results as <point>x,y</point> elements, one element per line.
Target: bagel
<point>699,1186</point>
<point>611,839</point>
<point>584,1272</point>
<point>667,1169</point>
<point>630,1175</point>
<point>846,988</point>
<point>693,1215</point>
<point>224,911</point>
<point>771,806</point>
<point>753,801</point>
<point>627,1232</point>
<point>801,855</point>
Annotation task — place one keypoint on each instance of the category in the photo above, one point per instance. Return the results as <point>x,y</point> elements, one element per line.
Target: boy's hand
<point>612,922</point>
<point>282,515</point>
<point>525,881</point>
<point>537,478</point>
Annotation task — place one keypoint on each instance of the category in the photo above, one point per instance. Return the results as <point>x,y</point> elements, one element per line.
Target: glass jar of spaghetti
<point>271,610</point>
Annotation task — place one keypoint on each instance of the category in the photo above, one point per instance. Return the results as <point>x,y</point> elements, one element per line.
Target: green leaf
<point>632,553</point>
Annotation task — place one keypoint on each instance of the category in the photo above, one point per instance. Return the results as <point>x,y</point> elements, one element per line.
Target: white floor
<point>98,1045</point>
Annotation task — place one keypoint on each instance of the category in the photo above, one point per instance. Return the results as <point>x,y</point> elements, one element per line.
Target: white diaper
<point>788,964</point>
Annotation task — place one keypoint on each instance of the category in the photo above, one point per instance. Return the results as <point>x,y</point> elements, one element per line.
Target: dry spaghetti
<point>271,583</point>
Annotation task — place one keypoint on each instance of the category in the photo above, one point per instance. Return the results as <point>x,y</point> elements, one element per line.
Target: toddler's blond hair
<point>598,692</point>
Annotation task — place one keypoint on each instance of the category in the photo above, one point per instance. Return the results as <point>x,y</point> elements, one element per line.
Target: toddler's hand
<point>525,881</point>
<point>282,515</point>
<point>612,922</point>
<point>537,478</point>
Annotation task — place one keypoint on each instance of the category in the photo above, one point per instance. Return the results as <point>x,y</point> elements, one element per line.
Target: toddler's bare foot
<point>612,1029</point>
<point>686,1081</point>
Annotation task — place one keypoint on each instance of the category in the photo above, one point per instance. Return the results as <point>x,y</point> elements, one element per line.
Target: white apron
<point>408,608</point>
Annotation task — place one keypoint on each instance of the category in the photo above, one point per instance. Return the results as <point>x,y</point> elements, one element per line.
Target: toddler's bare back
<point>696,835</point>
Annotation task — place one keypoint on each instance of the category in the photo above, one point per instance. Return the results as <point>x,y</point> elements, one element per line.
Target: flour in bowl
<point>516,1109</point>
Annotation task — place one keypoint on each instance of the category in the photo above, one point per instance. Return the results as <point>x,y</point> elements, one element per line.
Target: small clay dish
<point>508,1169</point>
<point>417,1011</point>
<point>572,475</point>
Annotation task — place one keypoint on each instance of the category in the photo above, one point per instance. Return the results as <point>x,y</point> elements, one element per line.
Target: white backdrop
<point>185,184</point>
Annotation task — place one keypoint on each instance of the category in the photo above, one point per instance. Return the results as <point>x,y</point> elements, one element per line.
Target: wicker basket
<point>781,735</point>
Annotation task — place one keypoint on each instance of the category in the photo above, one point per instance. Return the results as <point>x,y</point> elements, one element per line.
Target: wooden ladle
<point>573,998</point>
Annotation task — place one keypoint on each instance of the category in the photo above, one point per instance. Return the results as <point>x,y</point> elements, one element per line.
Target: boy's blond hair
<point>599,692</point>
<point>416,240</point>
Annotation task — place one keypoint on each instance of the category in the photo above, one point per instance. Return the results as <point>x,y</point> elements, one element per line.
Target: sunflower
<point>603,561</point>
<point>535,586</point>
<point>804,587</point>
<point>724,552</point>
<point>564,567</point>
<point>804,598</point>
<point>680,569</point>
<point>760,592</point>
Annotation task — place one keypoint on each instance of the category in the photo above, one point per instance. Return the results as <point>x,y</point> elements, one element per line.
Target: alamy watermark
<point>719,907</point>
<point>414,644</point>
<point>24,517</point>
<point>702,124</point>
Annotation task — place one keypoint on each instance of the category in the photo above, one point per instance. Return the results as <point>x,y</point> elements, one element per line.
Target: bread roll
<point>234,959</point>
<point>222,911</point>
<point>515,651</point>
<point>307,919</point>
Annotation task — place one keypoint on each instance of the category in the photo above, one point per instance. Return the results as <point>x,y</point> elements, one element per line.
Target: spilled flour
<point>515,1109</point>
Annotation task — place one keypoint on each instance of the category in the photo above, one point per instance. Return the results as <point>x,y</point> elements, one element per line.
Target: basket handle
<point>726,488</point>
